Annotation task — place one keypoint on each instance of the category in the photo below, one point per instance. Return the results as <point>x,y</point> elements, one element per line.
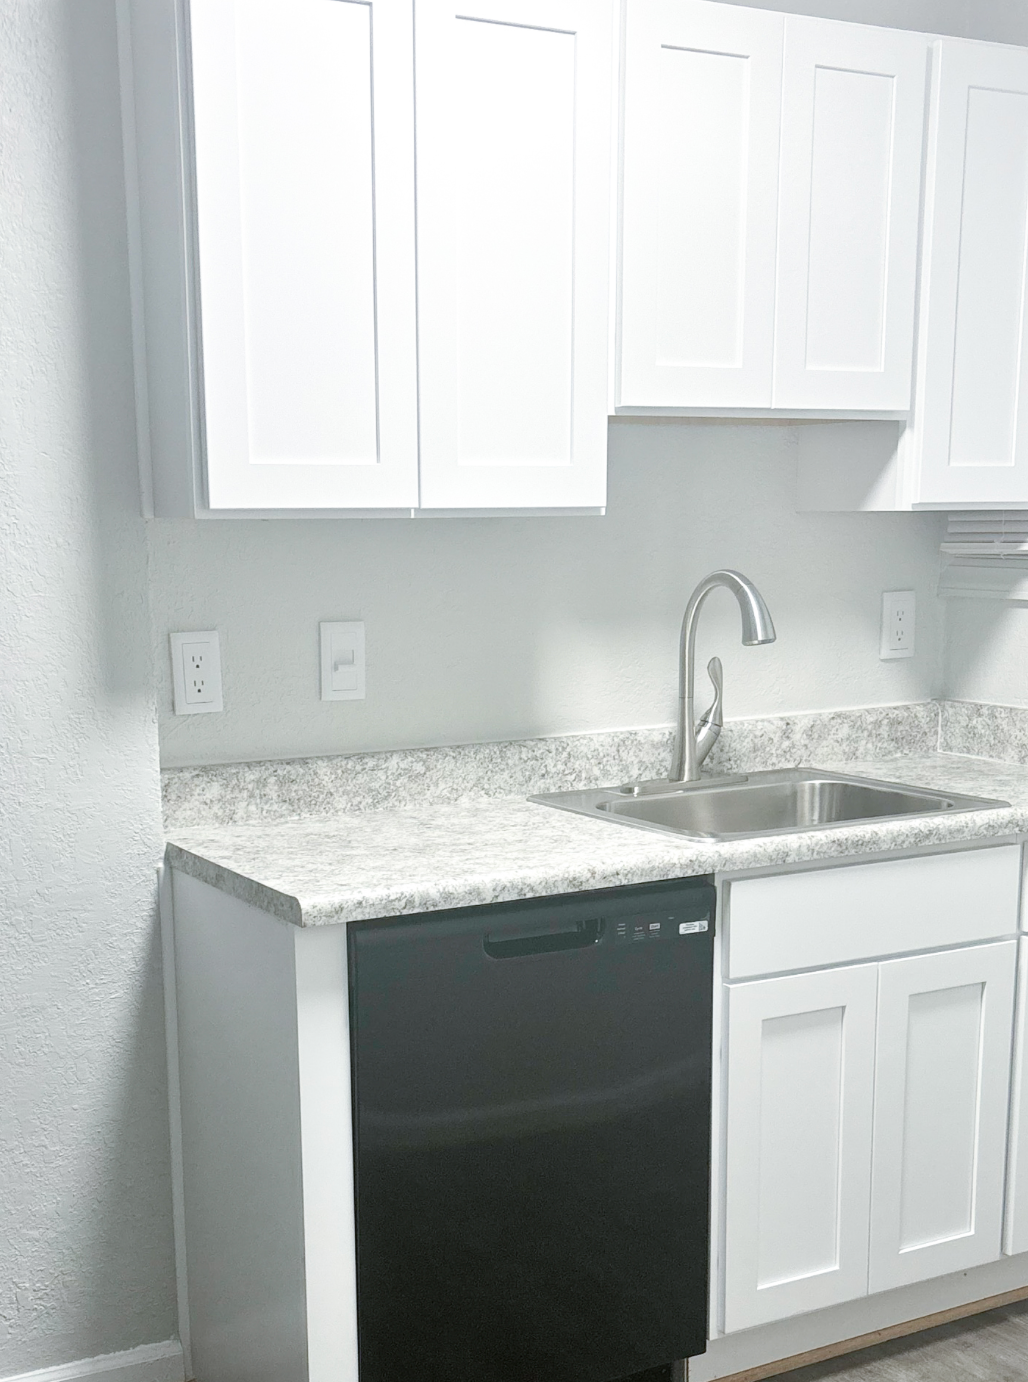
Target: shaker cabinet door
<point>798,1166</point>
<point>514,149</point>
<point>941,1095</point>
<point>304,173</point>
<point>973,376</point>
<point>702,105</point>
<point>853,115</point>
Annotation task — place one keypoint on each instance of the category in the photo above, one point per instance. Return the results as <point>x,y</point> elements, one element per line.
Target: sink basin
<point>769,803</point>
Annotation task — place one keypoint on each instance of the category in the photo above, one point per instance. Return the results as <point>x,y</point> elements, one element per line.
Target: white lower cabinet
<point>941,1093</point>
<point>865,1116</point>
<point>800,1098</point>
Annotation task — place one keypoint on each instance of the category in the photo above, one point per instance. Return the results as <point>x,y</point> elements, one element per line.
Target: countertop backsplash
<point>321,788</point>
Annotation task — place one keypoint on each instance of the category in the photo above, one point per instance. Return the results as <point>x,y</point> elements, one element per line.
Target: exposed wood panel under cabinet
<point>853,115</point>
<point>798,1159</point>
<point>303,127</point>
<point>941,1095</point>
<point>514,110</point>
<point>972,405</point>
<point>702,104</point>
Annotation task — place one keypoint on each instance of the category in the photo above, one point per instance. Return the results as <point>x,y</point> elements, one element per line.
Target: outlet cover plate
<point>196,672</point>
<point>899,611</point>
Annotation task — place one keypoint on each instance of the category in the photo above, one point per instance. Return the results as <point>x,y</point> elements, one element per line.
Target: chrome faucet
<point>692,742</point>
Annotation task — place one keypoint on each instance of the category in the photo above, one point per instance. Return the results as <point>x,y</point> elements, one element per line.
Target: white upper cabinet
<point>702,103</point>
<point>770,206</point>
<point>971,436</point>
<point>853,105</point>
<point>273,197</point>
<point>304,167</point>
<point>514,141</point>
<point>966,444</point>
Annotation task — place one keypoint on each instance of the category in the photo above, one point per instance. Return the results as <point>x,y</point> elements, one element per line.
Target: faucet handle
<point>712,716</point>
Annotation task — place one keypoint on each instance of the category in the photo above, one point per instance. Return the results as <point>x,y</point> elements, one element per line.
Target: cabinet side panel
<point>241,1138</point>
<point>158,204</point>
<point>323,1024</point>
<point>1015,1228</point>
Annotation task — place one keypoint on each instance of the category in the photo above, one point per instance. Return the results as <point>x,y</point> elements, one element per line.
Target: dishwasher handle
<point>576,937</point>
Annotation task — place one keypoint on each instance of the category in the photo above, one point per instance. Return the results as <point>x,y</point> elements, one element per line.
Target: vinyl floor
<point>985,1348</point>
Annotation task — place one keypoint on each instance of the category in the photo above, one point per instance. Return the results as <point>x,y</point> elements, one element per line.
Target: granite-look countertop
<point>378,863</point>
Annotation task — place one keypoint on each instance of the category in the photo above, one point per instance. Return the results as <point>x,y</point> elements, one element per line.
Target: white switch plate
<point>898,610</point>
<point>342,661</point>
<point>196,672</point>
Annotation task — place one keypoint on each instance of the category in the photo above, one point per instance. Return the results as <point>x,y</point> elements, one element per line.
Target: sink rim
<point>600,803</point>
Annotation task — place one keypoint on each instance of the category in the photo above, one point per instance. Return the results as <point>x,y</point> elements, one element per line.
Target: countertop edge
<point>650,857</point>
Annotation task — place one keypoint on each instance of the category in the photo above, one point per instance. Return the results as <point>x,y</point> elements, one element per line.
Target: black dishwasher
<point>532,1136</point>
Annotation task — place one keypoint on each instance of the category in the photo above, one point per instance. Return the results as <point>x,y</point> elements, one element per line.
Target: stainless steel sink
<point>768,803</point>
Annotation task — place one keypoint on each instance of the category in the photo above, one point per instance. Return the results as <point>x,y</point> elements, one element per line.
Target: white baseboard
<point>148,1363</point>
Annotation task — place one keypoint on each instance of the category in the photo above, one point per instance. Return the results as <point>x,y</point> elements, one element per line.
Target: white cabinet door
<point>798,1165</point>
<point>853,114</point>
<point>514,110</point>
<point>702,103</point>
<point>941,1094</point>
<point>304,136</point>
<point>972,400</point>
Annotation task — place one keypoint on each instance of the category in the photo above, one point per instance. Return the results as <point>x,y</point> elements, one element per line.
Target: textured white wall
<point>85,1235</point>
<point>489,628</point>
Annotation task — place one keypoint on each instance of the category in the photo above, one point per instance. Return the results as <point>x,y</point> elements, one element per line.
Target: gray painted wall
<point>503,627</point>
<point>86,1263</point>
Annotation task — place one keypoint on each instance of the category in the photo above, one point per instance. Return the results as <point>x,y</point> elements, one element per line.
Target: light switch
<point>342,661</point>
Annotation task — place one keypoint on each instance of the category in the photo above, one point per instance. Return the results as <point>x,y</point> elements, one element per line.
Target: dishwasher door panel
<point>532,1132</point>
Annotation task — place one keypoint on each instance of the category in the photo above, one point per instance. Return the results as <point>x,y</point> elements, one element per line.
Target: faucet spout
<point>757,628</point>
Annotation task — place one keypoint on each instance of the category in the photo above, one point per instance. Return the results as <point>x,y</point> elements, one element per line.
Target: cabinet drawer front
<point>835,916</point>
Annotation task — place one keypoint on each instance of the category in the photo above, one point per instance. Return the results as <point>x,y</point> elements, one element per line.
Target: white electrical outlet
<point>196,672</point>
<point>897,624</point>
<point>342,661</point>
